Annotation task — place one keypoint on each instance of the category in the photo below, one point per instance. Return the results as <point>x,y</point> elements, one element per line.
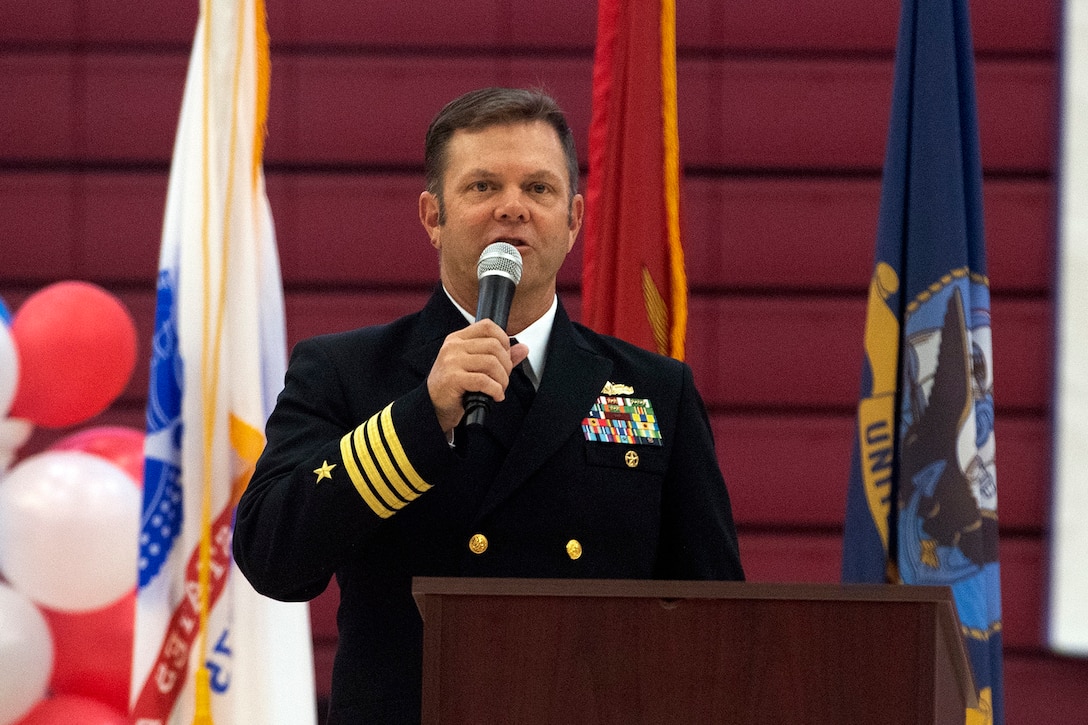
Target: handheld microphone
<point>499,271</point>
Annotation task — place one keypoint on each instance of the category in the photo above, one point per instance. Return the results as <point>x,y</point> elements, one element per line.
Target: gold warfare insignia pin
<point>325,471</point>
<point>611,388</point>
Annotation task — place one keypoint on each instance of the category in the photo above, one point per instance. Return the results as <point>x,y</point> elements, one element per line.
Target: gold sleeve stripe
<point>357,479</point>
<point>397,450</point>
<point>370,472</point>
<point>378,467</point>
<point>392,475</point>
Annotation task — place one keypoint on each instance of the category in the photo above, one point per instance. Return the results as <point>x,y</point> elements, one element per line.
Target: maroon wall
<point>783,117</point>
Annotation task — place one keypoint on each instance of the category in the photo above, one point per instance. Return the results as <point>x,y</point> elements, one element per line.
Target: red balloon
<point>72,710</point>
<point>77,349</point>
<point>92,653</point>
<point>121,446</point>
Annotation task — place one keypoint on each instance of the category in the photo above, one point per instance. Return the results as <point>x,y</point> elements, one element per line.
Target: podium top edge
<point>662,589</point>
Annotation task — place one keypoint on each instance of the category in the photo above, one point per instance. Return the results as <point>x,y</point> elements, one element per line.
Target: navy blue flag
<point>922,500</point>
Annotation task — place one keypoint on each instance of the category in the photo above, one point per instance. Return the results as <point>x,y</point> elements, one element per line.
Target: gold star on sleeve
<point>325,471</point>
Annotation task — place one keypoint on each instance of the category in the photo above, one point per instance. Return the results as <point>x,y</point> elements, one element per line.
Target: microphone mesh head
<point>500,258</point>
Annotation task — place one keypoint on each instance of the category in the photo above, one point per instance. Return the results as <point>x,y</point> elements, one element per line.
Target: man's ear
<point>428,216</point>
<point>577,212</point>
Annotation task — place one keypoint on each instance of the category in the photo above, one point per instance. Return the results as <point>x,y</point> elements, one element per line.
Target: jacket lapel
<point>573,378</point>
<point>437,319</point>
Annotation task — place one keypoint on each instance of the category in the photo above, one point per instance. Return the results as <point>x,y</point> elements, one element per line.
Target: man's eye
<point>481,186</point>
<point>539,188</point>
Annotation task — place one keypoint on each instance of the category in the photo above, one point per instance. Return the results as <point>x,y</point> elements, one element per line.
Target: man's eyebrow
<point>537,175</point>
<point>544,174</point>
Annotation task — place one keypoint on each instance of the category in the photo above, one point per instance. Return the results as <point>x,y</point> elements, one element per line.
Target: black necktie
<point>520,384</point>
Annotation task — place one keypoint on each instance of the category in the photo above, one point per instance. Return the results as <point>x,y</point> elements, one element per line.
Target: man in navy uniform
<point>596,459</point>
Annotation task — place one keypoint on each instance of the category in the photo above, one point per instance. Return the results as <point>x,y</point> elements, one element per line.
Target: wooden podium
<point>539,651</point>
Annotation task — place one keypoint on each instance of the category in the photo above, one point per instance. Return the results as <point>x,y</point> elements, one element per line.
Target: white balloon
<point>14,432</point>
<point>69,523</point>
<point>9,369</point>
<point>26,655</point>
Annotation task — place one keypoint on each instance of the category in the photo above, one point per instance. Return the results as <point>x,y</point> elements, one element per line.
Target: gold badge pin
<point>325,471</point>
<point>611,388</point>
<point>631,459</point>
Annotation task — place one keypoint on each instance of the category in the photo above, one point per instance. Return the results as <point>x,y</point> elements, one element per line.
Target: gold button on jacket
<point>477,544</point>
<point>574,549</point>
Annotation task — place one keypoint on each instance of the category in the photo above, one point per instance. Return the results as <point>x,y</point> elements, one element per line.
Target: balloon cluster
<point>69,515</point>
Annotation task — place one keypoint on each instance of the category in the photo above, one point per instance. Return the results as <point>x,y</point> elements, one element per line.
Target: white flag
<point>1068,616</point>
<point>208,649</point>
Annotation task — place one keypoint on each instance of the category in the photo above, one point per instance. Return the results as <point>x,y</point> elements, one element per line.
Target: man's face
<point>504,183</point>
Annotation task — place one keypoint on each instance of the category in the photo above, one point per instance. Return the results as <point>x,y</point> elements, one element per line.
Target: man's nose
<point>511,207</point>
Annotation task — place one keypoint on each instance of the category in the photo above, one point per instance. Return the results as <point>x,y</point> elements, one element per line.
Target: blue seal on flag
<point>948,486</point>
<point>162,511</point>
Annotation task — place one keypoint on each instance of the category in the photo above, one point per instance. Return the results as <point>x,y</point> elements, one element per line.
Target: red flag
<point>633,281</point>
